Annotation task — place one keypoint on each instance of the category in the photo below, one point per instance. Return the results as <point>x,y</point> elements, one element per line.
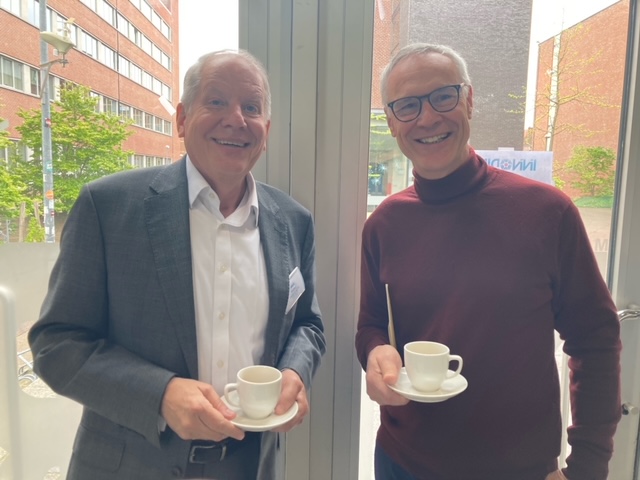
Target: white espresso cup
<point>427,364</point>
<point>258,390</point>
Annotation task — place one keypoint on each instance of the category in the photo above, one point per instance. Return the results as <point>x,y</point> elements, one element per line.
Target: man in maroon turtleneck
<point>490,264</point>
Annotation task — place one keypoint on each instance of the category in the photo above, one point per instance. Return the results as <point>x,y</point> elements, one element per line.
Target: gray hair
<point>423,49</point>
<point>194,75</point>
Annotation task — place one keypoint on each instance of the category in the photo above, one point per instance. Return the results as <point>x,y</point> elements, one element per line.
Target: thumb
<point>389,370</point>
<point>216,402</point>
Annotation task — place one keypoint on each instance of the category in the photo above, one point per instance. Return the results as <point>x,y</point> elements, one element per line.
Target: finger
<point>303,410</point>
<point>217,428</point>
<point>292,386</point>
<point>216,402</point>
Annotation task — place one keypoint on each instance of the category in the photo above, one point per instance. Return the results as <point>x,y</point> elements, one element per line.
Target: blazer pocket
<point>98,450</point>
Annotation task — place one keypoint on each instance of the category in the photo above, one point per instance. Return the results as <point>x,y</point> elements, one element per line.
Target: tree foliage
<point>11,189</point>
<point>86,144</point>
<point>594,170</point>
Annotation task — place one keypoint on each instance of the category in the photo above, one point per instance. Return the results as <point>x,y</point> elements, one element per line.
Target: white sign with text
<point>534,165</point>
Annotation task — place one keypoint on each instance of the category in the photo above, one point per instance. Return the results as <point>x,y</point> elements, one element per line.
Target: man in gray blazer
<point>171,279</point>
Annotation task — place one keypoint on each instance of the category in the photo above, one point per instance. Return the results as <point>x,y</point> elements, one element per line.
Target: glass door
<point>554,108</point>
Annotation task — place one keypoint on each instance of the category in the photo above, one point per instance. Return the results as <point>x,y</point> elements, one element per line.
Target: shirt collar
<point>197,184</point>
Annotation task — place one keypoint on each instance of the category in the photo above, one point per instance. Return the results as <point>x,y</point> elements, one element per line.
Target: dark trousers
<point>387,469</point>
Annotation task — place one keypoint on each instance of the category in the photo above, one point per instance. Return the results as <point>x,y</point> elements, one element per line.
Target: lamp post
<point>63,45</point>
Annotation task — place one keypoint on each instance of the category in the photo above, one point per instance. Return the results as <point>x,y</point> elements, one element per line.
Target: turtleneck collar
<point>471,175</point>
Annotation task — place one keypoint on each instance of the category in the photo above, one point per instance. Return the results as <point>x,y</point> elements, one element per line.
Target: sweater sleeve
<point>373,318</point>
<point>587,321</point>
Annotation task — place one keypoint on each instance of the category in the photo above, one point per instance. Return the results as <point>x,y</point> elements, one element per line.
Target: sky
<point>206,26</point>
<point>213,25</point>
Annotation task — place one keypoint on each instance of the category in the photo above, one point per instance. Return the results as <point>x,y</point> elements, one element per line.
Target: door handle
<point>631,313</point>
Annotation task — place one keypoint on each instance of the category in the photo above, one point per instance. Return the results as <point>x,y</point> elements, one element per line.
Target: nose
<point>234,116</point>
<point>428,116</point>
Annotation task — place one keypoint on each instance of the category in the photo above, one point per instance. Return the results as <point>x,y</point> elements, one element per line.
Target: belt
<point>203,452</point>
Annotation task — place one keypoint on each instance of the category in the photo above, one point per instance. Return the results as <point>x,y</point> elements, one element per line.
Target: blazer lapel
<point>275,245</point>
<point>166,212</point>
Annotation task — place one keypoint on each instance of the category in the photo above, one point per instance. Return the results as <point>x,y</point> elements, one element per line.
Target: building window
<point>12,5</point>
<point>165,61</point>
<point>147,80</point>
<point>90,3</point>
<point>148,121</point>
<point>166,31</point>
<point>136,73</point>
<point>12,75</point>
<point>123,25</point>
<point>106,11</point>
<point>166,91</point>
<point>107,56</point>
<point>137,117</point>
<point>168,127</point>
<point>123,66</point>
<point>138,161</point>
<point>33,13</point>
<point>155,19</point>
<point>34,80</point>
<point>145,44</point>
<point>125,111</point>
<point>16,150</point>
<point>157,86</point>
<point>145,8</point>
<point>109,105</point>
<point>89,44</point>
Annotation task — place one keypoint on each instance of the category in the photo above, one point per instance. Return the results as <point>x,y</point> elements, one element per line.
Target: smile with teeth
<point>231,143</point>
<point>436,139</point>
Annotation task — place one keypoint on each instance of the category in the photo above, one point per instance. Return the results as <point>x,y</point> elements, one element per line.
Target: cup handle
<point>455,358</point>
<point>228,388</point>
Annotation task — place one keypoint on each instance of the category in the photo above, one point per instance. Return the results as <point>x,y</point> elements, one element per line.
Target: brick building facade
<point>126,53</point>
<point>589,68</point>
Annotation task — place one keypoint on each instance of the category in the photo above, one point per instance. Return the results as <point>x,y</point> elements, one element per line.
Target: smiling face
<point>225,128</point>
<point>436,143</point>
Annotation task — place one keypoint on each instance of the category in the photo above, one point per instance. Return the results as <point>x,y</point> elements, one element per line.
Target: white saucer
<point>251,425</point>
<point>449,388</point>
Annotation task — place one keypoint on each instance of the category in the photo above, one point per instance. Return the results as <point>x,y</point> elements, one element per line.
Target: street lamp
<point>62,45</point>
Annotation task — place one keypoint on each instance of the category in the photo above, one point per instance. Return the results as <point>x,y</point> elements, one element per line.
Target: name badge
<point>296,288</point>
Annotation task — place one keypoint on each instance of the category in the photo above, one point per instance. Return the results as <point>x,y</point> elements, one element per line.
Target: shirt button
<point>223,268</point>
<point>220,364</point>
<point>221,315</point>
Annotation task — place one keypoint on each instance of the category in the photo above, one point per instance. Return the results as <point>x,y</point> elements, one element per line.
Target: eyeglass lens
<point>443,99</point>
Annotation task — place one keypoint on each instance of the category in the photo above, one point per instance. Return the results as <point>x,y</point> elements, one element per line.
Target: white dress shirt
<point>229,281</point>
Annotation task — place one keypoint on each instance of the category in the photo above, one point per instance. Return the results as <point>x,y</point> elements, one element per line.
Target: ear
<point>391,121</point>
<point>181,116</point>
<point>264,147</point>
<point>469,101</point>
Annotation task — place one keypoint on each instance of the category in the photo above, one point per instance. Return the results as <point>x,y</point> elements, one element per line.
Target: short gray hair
<point>194,75</point>
<point>423,49</point>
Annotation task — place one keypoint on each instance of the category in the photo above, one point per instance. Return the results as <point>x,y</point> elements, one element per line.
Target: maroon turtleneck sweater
<point>490,263</point>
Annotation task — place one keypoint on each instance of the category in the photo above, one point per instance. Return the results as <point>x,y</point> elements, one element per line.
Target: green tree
<point>10,187</point>
<point>86,145</point>
<point>594,170</point>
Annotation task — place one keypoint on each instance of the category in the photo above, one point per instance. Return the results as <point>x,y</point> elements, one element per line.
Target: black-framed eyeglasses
<point>443,99</point>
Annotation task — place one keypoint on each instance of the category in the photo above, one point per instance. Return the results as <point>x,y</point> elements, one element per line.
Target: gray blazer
<point>118,321</point>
